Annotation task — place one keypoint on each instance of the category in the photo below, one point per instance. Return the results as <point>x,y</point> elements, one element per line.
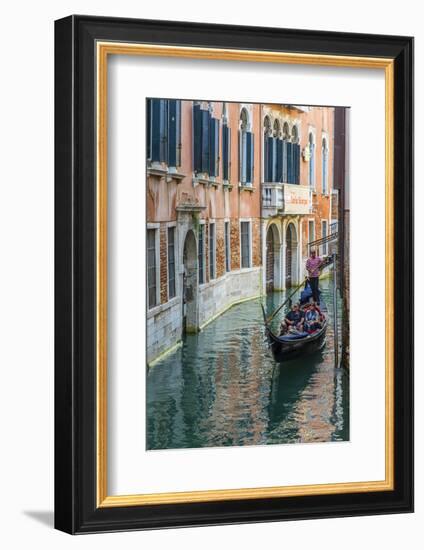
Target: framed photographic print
<point>234,288</point>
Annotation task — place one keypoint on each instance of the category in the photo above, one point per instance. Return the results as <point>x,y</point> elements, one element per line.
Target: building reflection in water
<point>223,388</point>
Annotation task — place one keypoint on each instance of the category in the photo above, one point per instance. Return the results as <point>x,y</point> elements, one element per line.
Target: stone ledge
<point>249,188</point>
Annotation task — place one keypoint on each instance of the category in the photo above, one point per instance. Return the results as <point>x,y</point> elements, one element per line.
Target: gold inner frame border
<point>103,50</point>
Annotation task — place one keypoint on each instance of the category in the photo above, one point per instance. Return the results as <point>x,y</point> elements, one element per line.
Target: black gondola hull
<point>284,350</point>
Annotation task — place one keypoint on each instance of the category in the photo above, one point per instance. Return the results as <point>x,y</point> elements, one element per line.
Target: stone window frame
<point>156,227</point>
<point>249,221</point>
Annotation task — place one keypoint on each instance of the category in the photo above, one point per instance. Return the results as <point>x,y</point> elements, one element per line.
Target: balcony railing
<point>286,198</point>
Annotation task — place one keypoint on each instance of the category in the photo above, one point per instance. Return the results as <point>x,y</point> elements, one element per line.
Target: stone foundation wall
<point>225,291</point>
<point>164,327</point>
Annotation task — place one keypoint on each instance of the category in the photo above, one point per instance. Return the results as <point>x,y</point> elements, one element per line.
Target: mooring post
<point>335,323</point>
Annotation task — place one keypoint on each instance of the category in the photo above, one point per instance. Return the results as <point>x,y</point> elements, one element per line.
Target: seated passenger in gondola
<point>293,320</point>
<point>313,318</point>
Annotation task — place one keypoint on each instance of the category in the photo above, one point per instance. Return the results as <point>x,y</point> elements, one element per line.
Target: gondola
<point>289,346</point>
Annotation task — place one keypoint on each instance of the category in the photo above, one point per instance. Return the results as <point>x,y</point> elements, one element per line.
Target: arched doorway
<point>272,259</point>
<point>190,284</point>
<point>291,255</point>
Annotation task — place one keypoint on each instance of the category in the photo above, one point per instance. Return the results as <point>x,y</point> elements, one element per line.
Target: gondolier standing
<point>313,265</point>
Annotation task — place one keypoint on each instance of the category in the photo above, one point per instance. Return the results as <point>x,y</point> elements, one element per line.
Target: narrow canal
<point>223,387</point>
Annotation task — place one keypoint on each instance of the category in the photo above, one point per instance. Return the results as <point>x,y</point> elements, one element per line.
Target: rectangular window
<point>205,142</point>
<point>227,246</point>
<point>171,262</point>
<point>324,235</point>
<point>164,131</point>
<point>311,231</point>
<point>201,254</point>
<point>312,164</point>
<point>249,159</point>
<point>157,127</point>
<point>174,132</point>
<point>211,251</point>
<point>324,170</point>
<point>151,267</point>
<point>245,244</point>
<point>246,157</point>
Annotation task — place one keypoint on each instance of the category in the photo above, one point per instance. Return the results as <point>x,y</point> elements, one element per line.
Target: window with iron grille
<point>245,244</point>
<point>171,262</point>
<point>211,251</point>
<point>151,267</point>
<point>227,246</point>
<point>201,253</point>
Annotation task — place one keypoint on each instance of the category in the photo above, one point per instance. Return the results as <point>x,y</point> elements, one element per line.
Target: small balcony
<point>285,198</point>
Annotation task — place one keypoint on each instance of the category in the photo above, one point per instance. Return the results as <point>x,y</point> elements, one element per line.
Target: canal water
<point>222,387</point>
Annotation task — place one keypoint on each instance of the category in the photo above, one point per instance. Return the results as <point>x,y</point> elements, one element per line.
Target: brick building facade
<point>203,241</point>
<point>297,189</point>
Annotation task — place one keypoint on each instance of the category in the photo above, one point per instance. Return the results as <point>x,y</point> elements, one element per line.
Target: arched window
<point>267,149</point>
<point>286,139</point>
<point>277,129</point>
<point>324,166</point>
<point>311,142</point>
<point>295,156</point>
<point>246,147</point>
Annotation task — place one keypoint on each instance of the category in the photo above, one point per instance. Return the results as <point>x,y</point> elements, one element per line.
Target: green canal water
<point>222,387</point>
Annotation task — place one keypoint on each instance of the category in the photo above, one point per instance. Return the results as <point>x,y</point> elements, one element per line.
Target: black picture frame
<point>76,510</point>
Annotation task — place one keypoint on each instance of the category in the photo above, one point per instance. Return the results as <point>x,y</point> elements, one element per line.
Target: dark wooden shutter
<point>172,132</point>
<point>225,152</point>
<point>149,129</point>
<point>297,164</point>
<point>205,141</point>
<point>269,159</point>
<point>289,162</point>
<point>279,175</point>
<point>197,132</point>
<point>213,146</point>
<point>178,145</point>
<point>266,176</point>
<point>241,157</point>
<point>155,112</point>
<point>163,108</point>
<point>284,175</point>
<point>274,160</point>
<point>249,156</point>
